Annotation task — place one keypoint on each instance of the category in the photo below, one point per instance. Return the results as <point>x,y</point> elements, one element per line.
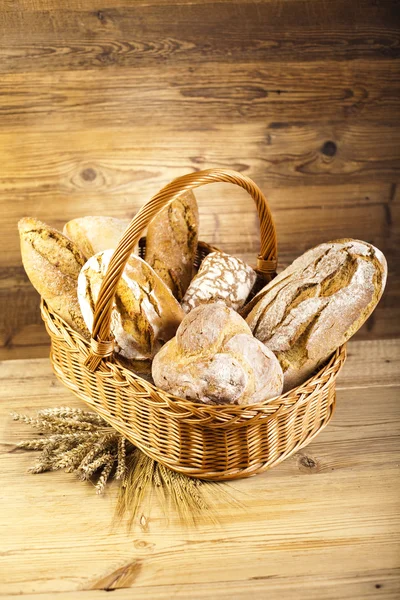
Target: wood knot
<point>119,579</point>
<point>308,464</point>
<point>143,545</point>
<point>89,174</point>
<point>329,148</point>
<point>144,523</point>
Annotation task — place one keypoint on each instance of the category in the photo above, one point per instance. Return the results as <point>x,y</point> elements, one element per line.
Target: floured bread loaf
<point>220,277</point>
<point>52,263</point>
<point>317,304</point>
<point>215,359</point>
<point>94,234</point>
<point>145,313</point>
<point>171,243</point>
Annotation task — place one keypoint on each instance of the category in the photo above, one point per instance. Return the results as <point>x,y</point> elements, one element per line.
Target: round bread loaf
<point>171,243</point>
<point>317,304</point>
<point>94,234</point>
<point>52,263</point>
<point>214,359</point>
<point>145,314</point>
<point>220,277</point>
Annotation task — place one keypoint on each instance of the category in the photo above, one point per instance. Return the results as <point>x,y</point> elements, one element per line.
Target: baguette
<point>52,263</point>
<point>171,243</point>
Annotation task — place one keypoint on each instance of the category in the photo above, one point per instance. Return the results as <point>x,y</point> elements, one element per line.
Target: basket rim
<point>182,407</point>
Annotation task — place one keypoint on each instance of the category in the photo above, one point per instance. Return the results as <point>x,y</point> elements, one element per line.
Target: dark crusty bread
<point>52,263</point>
<point>171,243</point>
<point>215,359</point>
<point>221,277</point>
<point>317,304</point>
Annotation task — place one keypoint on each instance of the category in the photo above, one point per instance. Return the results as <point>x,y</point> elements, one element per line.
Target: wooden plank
<point>135,163</point>
<point>362,587</point>
<point>371,363</point>
<point>143,159</point>
<point>20,341</point>
<point>298,229</point>
<point>54,5</point>
<point>291,534</point>
<point>199,97</point>
<point>314,213</point>
<point>123,175</point>
<point>271,31</point>
<point>295,235</point>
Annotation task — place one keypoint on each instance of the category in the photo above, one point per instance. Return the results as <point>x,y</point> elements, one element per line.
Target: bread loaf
<point>171,243</point>
<point>317,304</point>
<point>52,263</point>
<point>214,359</point>
<point>94,234</point>
<point>220,277</point>
<point>145,313</point>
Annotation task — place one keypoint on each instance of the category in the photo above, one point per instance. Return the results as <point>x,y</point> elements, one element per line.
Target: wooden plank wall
<point>104,101</point>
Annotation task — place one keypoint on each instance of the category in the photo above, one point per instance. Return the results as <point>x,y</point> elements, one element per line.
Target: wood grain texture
<point>207,95</point>
<point>362,587</point>
<point>323,524</point>
<point>266,31</point>
<point>102,103</point>
<point>312,589</point>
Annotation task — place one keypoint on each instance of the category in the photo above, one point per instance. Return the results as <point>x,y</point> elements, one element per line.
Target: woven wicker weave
<point>210,442</point>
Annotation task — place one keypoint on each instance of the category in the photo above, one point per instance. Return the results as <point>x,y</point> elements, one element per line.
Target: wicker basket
<point>209,442</point>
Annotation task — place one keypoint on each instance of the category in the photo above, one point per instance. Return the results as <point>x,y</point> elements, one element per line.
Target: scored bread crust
<point>214,359</point>
<point>144,315</point>
<point>171,243</point>
<point>317,304</point>
<point>52,263</point>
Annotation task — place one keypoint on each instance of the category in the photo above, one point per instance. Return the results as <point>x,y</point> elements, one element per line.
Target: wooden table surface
<point>323,524</point>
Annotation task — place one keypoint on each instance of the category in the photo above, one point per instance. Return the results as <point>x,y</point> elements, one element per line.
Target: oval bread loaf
<point>214,359</point>
<point>52,263</point>
<point>171,243</point>
<point>145,314</point>
<point>94,234</point>
<point>220,277</point>
<point>317,304</point>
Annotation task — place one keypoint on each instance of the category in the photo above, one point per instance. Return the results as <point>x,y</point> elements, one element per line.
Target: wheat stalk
<point>81,442</point>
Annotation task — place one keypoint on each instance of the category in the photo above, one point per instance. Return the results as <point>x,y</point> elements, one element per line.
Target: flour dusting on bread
<point>220,277</point>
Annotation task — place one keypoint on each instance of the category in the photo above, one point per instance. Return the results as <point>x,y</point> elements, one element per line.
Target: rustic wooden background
<point>104,101</point>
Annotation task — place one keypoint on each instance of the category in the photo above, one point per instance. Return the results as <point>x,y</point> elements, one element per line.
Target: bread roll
<point>52,263</point>
<point>317,304</point>
<point>145,313</point>
<point>220,277</point>
<point>94,234</point>
<point>171,243</point>
<point>214,359</point>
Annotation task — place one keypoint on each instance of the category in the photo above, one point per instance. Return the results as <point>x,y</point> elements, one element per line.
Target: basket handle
<point>101,343</point>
